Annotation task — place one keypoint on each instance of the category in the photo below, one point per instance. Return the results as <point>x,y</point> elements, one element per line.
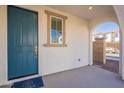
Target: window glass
<point>56,30</point>
<point>59,31</point>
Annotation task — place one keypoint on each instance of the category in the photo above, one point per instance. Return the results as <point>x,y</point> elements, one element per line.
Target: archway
<point>106,50</point>
<point>118,18</point>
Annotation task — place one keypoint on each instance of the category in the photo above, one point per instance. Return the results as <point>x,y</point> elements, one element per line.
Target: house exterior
<point>112,36</point>
<point>74,50</point>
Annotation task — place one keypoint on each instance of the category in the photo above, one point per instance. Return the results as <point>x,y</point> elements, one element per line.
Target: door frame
<point>37,44</point>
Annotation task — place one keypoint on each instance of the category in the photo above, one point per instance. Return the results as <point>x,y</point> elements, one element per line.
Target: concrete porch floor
<point>85,77</point>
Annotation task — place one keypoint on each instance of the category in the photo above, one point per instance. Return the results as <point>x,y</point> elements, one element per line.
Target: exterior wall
<point>108,18</point>
<point>51,59</point>
<point>120,14</point>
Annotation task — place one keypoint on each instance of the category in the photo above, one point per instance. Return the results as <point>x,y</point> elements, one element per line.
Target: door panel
<point>22,40</point>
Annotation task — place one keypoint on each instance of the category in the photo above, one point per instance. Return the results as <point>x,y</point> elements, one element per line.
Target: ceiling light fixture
<point>90,8</point>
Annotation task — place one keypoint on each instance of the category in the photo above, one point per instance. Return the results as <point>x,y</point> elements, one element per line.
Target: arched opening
<point>106,46</point>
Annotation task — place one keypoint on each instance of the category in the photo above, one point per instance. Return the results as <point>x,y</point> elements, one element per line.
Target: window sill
<point>55,45</point>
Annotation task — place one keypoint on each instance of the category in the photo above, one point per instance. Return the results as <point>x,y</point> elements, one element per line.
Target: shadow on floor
<point>111,65</point>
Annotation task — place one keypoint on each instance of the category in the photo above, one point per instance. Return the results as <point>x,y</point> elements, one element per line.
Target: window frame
<point>49,17</point>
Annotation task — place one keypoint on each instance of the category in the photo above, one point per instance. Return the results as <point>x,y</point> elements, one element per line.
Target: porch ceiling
<point>83,10</point>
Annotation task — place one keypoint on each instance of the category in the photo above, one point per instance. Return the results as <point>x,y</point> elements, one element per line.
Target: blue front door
<point>22,42</point>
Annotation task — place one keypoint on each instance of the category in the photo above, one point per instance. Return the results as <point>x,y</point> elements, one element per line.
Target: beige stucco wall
<point>120,14</point>
<point>51,59</point>
<point>103,19</point>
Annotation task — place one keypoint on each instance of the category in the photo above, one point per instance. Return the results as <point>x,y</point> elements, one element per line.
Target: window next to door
<point>55,30</point>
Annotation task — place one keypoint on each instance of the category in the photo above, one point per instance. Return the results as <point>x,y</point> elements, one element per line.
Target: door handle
<point>35,51</point>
